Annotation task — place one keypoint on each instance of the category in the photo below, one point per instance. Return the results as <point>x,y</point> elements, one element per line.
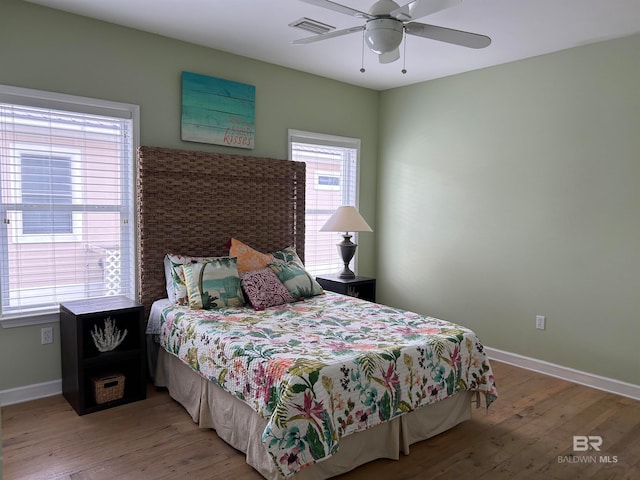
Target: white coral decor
<point>108,338</point>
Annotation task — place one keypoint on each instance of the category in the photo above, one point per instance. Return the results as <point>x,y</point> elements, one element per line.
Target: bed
<point>307,388</point>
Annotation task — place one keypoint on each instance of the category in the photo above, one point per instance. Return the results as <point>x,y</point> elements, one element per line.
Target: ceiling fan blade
<point>325,36</point>
<point>336,7</point>
<point>389,57</point>
<point>448,35</point>
<point>421,8</point>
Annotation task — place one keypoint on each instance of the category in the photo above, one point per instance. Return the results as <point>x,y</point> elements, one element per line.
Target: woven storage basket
<point>108,388</point>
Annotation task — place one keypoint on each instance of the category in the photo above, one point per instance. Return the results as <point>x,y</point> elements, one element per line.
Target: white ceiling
<point>259,29</point>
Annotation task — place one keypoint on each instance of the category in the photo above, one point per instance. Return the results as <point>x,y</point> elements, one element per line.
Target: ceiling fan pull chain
<point>362,64</point>
<point>404,52</point>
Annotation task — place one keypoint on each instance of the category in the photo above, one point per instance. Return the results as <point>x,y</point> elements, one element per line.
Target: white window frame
<point>352,198</point>
<point>79,104</point>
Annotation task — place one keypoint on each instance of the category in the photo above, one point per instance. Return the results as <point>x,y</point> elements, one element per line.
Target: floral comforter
<point>327,367</point>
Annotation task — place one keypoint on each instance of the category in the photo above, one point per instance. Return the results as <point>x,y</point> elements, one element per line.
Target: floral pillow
<point>248,258</point>
<point>264,289</point>
<point>297,280</point>
<point>251,259</point>
<point>287,255</point>
<point>213,284</point>
<point>174,276</point>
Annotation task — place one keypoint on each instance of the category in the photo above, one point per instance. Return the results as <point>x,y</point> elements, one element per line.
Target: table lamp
<point>346,219</point>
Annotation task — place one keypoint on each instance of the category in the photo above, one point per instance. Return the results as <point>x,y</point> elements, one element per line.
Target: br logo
<point>582,443</point>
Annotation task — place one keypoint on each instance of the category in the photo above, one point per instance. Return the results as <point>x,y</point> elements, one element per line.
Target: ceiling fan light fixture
<point>383,35</point>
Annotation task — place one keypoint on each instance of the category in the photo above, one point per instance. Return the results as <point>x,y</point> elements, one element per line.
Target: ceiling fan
<point>387,22</point>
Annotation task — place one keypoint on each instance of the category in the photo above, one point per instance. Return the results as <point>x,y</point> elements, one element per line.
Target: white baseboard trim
<point>30,392</point>
<point>583,378</point>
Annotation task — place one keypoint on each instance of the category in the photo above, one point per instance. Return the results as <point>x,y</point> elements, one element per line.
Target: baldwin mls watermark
<point>587,443</point>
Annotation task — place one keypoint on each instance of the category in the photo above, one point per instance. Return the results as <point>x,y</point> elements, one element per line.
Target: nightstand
<point>361,287</point>
<point>93,380</point>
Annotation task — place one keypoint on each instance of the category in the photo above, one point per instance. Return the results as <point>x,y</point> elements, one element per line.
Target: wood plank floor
<point>526,434</point>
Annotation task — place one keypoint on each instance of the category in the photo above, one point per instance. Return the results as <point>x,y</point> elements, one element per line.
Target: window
<point>66,202</point>
<point>45,180</point>
<point>332,181</point>
<point>44,176</point>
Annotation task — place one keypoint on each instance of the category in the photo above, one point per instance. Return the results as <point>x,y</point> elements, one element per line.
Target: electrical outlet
<point>46,335</point>
<point>540,322</point>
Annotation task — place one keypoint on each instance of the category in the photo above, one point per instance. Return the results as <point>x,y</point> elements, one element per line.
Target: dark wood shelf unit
<point>361,287</point>
<point>81,359</point>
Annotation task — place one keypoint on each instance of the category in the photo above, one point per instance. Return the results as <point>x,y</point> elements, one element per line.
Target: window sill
<point>25,321</point>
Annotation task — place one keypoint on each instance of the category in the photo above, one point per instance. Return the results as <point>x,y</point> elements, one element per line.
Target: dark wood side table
<point>361,287</point>
<point>82,361</point>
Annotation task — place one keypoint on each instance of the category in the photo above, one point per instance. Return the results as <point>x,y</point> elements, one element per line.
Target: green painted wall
<point>501,193</point>
<point>514,191</point>
<point>50,50</point>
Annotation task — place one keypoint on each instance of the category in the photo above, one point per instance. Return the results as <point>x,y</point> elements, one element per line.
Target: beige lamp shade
<point>346,219</point>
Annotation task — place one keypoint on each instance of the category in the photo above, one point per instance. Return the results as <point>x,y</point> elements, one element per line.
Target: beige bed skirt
<point>241,427</point>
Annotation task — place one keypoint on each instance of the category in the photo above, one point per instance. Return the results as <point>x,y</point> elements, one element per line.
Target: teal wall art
<point>218,111</point>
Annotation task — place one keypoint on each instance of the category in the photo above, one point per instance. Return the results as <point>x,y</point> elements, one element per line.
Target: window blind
<point>332,174</point>
<point>66,200</point>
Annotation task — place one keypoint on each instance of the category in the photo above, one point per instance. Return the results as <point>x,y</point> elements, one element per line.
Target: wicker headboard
<point>192,202</point>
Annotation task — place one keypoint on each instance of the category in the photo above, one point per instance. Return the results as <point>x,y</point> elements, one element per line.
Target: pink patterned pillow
<point>264,289</point>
